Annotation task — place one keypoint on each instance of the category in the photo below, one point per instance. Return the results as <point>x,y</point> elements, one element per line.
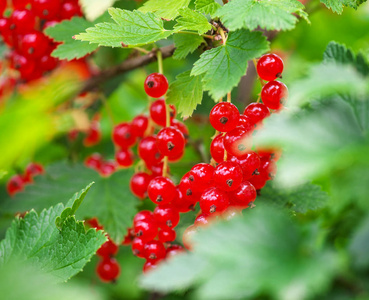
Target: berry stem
<point>229,97</point>
<point>203,35</point>
<point>221,31</point>
<point>261,80</point>
<point>225,157</point>
<point>142,50</point>
<point>160,61</point>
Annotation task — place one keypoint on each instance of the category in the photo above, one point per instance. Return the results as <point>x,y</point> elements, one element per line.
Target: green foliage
<point>186,44</point>
<point>186,93</point>
<point>166,9</point>
<point>270,15</point>
<point>230,260</point>
<point>95,8</point>
<point>192,20</point>
<point>359,246</point>
<point>110,199</point>
<point>207,6</point>
<point>64,32</point>
<point>61,252</point>
<point>337,5</point>
<point>132,28</point>
<point>225,65</point>
<point>300,199</point>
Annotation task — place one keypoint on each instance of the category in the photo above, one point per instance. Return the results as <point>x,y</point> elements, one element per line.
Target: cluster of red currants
<point>108,269</point>
<point>17,182</point>
<point>22,31</point>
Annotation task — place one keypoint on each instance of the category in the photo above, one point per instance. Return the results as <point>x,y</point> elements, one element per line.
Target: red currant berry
<point>269,67</point>
<point>144,215</point>
<point>256,112</point>
<point>267,168</point>
<point>243,195</point>
<point>258,181</point>
<point>166,216</point>
<point>213,200</point>
<point>128,238</point>
<point>181,127</point>
<point>94,161</point>
<point>94,223</point>
<point>149,152</point>
<point>154,250</point>
<point>139,184</point>
<point>217,148</point>
<point>202,220</point>
<point>189,196</point>
<point>182,203</point>
<point>248,163</point>
<point>5,31</point>
<point>158,112</point>
<point>147,230</point>
<point>224,116</point>
<point>139,125</point>
<point>109,248</point>
<point>161,190</point>
<point>3,5</point>
<point>156,85</point>
<point>167,235</point>
<point>46,9</point>
<point>176,158</point>
<point>124,157</point>
<point>138,245</point>
<point>170,142</point>
<point>107,168</point>
<point>32,170</point>
<point>15,185</point>
<point>150,265</point>
<point>237,142</point>
<point>246,123</point>
<point>228,176</point>
<point>173,250</point>
<point>22,21</point>
<point>20,4</point>
<point>274,94</point>
<point>200,177</point>
<point>156,170</point>
<point>69,10</point>
<point>24,65</point>
<point>93,136</point>
<point>187,236</point>
<point>108,269</point>
<point>123,135</point>
<point>48,63</point>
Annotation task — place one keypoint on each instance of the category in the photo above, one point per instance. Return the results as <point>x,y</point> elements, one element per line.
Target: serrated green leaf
<point>337,5</point>
<point>207,6</point>
<point>192,20</point>
<point>300,199</point>
<point>186,44</point>
<point>230,260</point>
<point>166,9</point>
<point>132,28</point>
<point>64,32</point>
<point>186,93</point>
<point>36,239</point>
<point>72,206</point>
<point>110,199</point>
<point>225,65</point>
<point>266,14</point>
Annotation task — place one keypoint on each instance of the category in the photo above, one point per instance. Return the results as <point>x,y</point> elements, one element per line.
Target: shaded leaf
<point>186,44</point>
<point>192,20</point>
<point>207,6</point>
<point>166,9</point>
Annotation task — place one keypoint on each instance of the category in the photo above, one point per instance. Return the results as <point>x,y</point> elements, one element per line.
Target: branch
<point>127,65</point>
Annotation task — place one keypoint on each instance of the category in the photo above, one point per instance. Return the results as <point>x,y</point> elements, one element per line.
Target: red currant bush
<point>228,176</point>
<point>170,142</point>
<point>161,190</point>
<point>156,85</point>
<point>139,184</point>
<point>213,200</point>
<point>274,94</point>
<point>256,112</point>
<point>224,116</point>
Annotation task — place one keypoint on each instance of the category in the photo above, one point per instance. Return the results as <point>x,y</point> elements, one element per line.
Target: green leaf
<point>359,246</point>
<point>300,199</point>
<point>72,206</point>
<point>192,20</point>
<point>110,199</point>
<point>61,252</point>
<point>208,7</point>
<point>166,9</point>
<point>132,28</point>
<point>64,32</point>
<point>266,14</point>
<point>225,65</point>
<point>230,260</point>
<point>186,44</point>
<point>186,93</point>
<point>337,5</point>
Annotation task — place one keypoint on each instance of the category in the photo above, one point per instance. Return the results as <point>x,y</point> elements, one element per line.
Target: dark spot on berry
<point>139,233</point>
<point>12,27</point>
<point>190,178</point>
<point>169,223</point>
<point>157,155</point>
<point>279,75</point>
<point>150,84</point>
<point>229,182</point>
<point>159,198</point>
<point>223,120</point>
<point>170,146</point>
<point>213,209</point>
<point>252,205</point>
<point>152,256</point>
<point>136,252</point>
<point>45,12</point>
<point>189,192</point>
<point>241,147</point>
<point>256,172</point>
<point>127,135</point>
<point>31,50</point>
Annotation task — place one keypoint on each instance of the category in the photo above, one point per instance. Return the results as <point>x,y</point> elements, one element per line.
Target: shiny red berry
<point>109,248</point>
<point>154,250</point>
<point>217,148</point>
<point>93,135</point>
<point>173,250</point>
<point>166,216</point>
<point>243,195</point>
<point>144,215</point>
<point>156,85</point>
<point>150,265</point>
<point>269,67</point>
<point>108,269</point>
<point>228,176</point>
<point>202,219</point>
<point>107,168</point>
<point>48,63</point>
<point>274,94</point>
<point>32,170</point>
<point>123,135</point>
<point>138,245</point>
<point>22,21</point>
<point>256,112</point>
<point>246,123</point>
<point>158,112</point>
<point>24,65</point>
<point>258,181</point>
<point>15,185</point>
<point>139,125</point>
<point>94,223</point>
<point>181,127</point>
<point>167,235</point>
<point>248,163</point>
<point>238,142</point>
<point>147,230</point>
<point>139,184</point>
<point>70,9</point>
<point>224,116</point>
<point>170,141</point>
<point>213,200</point>
<point>94,161</point>
<point>124,157</point>
<point>149,152</point>
<point>46,9</point>
<point>20,4</point>
<point>161,190</point>
<point>183,203</point>
<point>157,169</point>
<point>200,176</point>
